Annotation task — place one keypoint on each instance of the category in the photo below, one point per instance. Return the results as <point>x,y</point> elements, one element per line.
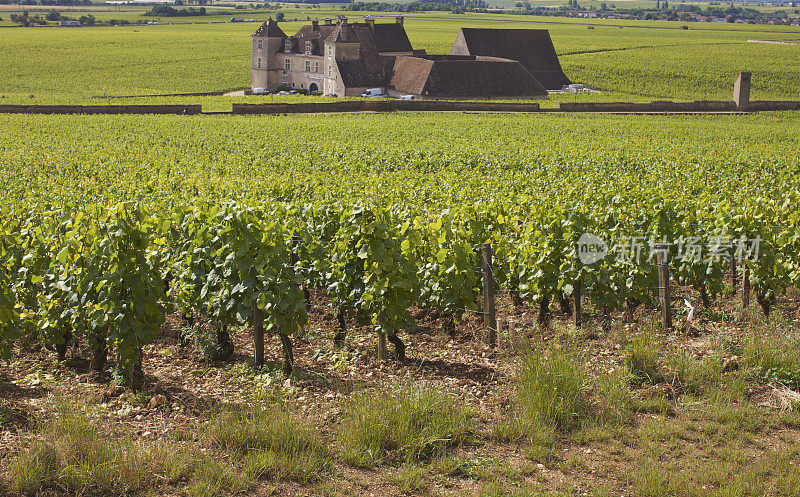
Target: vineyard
<point>47,66</point>
<point>277,258</point>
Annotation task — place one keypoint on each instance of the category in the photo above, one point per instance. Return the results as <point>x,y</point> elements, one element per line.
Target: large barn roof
<point>532,47</point>
<point>453,76</point>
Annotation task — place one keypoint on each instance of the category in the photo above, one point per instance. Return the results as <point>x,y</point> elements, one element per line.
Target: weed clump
<point>405,425</point>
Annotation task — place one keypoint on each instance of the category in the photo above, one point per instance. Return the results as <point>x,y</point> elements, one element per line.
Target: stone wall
<point>756,105</point>
<point>101,109</point>
<point>382,105</point>
<point>657,106</point>
<point>385,105</point>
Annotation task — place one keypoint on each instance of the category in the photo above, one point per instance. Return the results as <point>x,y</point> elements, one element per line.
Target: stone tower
<point>741,91</point>
<point>267,42</point>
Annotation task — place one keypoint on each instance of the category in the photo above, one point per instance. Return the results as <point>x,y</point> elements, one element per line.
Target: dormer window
<point>308,47</point>
<point>288,45</point>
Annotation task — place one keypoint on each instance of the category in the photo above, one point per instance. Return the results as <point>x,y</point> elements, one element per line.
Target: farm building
<point>533,48</point>
<point>345,58</point>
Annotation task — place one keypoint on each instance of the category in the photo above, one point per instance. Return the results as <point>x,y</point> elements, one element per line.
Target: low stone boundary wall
<point>657,106</point>
<point>381,106</point>
<point>759,105</point>
<point>101,109</point>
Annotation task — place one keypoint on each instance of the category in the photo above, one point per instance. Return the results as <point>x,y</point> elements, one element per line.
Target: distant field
<point>638,61</point>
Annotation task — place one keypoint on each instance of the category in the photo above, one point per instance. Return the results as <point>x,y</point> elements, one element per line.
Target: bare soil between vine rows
<point>479,376</point>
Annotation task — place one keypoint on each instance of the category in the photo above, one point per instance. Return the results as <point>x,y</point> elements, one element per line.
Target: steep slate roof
<point>270,29</point>
<point>370,69</point>
<point>360,74</point>
<point>316,36</point>
<point>532,47</point>
<point>391,37</point>
<point>445,76</point>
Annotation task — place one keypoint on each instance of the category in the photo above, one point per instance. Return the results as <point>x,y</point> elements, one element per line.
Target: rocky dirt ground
<point>183,391</point>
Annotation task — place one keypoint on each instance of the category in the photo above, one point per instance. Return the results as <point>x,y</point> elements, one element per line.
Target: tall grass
<point>272,442</point>
<point>693,376</point>
<point>642,358</point>
<point>73,454</point>
<point>404,425</point>
<point>551,393</point>
<point>552,387</point>
<point>615,403</point>
<point>772,351</point>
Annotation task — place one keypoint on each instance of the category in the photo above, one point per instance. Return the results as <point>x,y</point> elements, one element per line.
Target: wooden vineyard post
<point>745,285</point>
<point>500,323</point>
<point>662,251</point>
<point>511,332</point>
<point>258,334</point>
<point>489,318</point>
<point>383,350</point>
<point>576,303</point>
<point>734,276</point>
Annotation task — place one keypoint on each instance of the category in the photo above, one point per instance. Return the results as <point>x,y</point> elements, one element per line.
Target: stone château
<point>344,58</point>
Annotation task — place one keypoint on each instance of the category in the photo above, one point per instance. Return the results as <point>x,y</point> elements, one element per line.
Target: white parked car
<point>407,97</point>
<point>373,92</point>
<point>260,91</point>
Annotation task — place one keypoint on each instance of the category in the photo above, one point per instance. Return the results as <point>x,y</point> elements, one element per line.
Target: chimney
<point>315,25</point>
<point>371,23</point>
<point>328,21</point>
<point>399,20</point>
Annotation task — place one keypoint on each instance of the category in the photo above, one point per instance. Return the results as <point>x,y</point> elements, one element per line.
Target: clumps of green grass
<point>614,400</point>
<point>496,489</point>
<point>404,425</point>
<point>653,478</point>
<point>272,443</point>
<point>693,376</point>
<point>551,394</point>
<point>772,351</point>
<point>552,388</point>
<point>642,358</point>
<point>212,478</point>
<point>409,478</point>
<point>73,454</point>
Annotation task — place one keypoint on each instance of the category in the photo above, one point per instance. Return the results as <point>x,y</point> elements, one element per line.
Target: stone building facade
<point>344,58</point>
